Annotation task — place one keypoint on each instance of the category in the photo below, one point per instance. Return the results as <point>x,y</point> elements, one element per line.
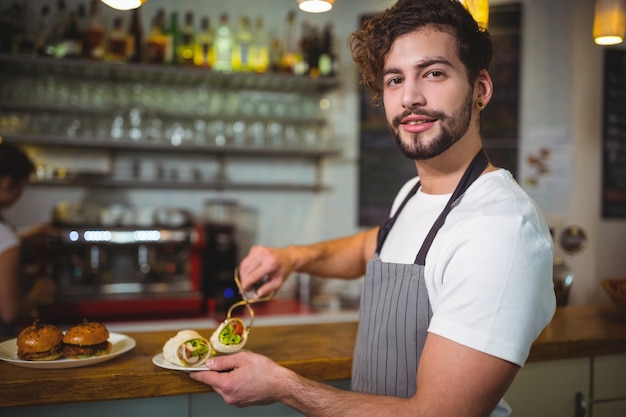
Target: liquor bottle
<point>71,44</point>
<point>290,55</point>
<point>44,27</point>
<point>203,45</point>
<point>327,57</point>
<point>241,57</point>
<point>308,47</point>
<point>117,44</point>
<point>57,28</point>
<point>223,45</point>
<point>156,41</point>
<point>134,38</point>
<point>94,33</point>
<point>185,50</point>
<point>172,40</point>
<point>260,52</point>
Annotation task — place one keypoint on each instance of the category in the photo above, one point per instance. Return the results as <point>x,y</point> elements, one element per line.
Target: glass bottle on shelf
<point>94,33</point>
<point>116,49</point>
<point>242,50</point>
<point>57,28</point>
<point>328,58</point>
<point>185,52</point>
<point>290,57</point>
<point>203,45</point>
<point>156,41</point>
<point>172,40</point>
<point>223,45</point>
<point>134,38</point>
<point>260,53</point>
<point>71,43</point>
<point>44,27</point>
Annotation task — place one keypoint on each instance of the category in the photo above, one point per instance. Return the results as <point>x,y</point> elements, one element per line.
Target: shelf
<point>162,74</point>
<point>127,145</point>
<point>59,106</point>
<point>214,185</point>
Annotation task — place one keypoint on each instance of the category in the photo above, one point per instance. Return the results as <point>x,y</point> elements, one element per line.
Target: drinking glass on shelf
<point>257,134</point>
<point>117,127</point>
<point>238,134</point>
<point>275,134</point>
<point>135,131</point>
<point>216,132</point>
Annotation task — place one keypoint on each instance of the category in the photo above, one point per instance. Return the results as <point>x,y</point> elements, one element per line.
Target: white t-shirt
<point>489,269</point>
<point>8,238</point>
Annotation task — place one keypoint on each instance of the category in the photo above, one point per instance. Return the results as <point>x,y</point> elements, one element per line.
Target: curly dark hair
<point>371,44</point>
<point>14,163</point>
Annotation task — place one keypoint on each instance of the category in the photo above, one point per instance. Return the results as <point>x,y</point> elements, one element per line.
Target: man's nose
<point>412,95</point>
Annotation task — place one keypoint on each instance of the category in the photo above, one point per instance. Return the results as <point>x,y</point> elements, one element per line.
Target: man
<point>15,168</point>
<point>458,282</point>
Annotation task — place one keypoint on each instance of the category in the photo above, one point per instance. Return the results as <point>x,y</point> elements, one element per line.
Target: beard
<point>453,127</point>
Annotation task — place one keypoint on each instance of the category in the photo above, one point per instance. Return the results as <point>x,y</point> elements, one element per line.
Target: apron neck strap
<point>473,171</point>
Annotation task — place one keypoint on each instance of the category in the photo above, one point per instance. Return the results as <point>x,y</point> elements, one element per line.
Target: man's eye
<point>434,74</point>
<point>394,81</point>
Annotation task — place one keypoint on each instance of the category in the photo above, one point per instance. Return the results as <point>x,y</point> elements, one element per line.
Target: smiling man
<point>458,280</point>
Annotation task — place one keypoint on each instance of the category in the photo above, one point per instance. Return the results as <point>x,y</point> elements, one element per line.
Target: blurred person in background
<point>16,300</point>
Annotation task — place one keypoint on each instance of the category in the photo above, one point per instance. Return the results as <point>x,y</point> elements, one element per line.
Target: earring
<point>480,104</point>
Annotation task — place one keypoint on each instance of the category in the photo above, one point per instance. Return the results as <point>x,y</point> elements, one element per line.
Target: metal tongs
<point>247,299</point>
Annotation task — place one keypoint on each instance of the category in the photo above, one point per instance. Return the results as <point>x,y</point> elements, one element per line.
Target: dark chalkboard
<point>614,135</point>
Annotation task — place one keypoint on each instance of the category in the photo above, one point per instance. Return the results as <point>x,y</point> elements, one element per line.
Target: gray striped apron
<point>395,310</point>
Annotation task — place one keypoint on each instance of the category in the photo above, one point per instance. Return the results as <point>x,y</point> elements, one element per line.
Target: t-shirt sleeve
<point>493,293</point>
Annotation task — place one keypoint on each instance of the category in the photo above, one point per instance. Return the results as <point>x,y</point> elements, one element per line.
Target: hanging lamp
<point>609,22</point>
<point>315,6</point>
<point>123,4</point>
<point>479,9</point>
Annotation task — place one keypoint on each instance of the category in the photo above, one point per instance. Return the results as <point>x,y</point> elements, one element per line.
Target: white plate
<point>161,362</point>
<point>120,345</point>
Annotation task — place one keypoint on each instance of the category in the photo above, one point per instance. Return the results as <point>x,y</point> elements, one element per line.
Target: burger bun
<point>40,342</point>
<point>86,339</point>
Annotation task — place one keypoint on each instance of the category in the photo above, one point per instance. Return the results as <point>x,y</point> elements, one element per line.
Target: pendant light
<point>315,6</point>
<point>479,9</point>
<point>123,4</point>
<point>609,22</point>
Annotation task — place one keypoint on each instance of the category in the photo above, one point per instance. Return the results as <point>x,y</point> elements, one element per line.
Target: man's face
<point>428,99</point>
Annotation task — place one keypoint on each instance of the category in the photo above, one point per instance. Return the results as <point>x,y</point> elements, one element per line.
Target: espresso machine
<point>131,266</point>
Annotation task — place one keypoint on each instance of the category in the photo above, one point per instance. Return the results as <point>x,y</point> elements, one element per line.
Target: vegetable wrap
<point>187,348</point>
<point>230,336</point>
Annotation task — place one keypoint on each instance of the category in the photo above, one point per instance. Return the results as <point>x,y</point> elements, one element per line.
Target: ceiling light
<point>315,6</point>
<point>479,9</point>
<point>609,22</point>
<point>123,4</point>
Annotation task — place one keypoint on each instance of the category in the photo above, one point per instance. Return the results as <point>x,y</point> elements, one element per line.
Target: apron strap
<point>476,167</point>
<point>385,227</point>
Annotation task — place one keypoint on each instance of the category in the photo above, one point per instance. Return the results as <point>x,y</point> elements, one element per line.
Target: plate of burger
<point>45,346</point>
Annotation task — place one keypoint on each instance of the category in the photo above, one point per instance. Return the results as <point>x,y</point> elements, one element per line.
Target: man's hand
<point>245,379</point>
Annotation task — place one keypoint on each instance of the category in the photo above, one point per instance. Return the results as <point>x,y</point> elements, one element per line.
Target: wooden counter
<point>322,352</point>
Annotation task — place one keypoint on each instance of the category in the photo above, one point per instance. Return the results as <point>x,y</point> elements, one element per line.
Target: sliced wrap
<point>230,336</point>
<point>187,348</point>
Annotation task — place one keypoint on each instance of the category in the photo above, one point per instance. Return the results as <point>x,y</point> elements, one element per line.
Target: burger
<point>40,342</point>
<point>86,340</point>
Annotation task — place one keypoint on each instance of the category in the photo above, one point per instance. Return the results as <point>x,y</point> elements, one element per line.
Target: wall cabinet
<point>103,121</point>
